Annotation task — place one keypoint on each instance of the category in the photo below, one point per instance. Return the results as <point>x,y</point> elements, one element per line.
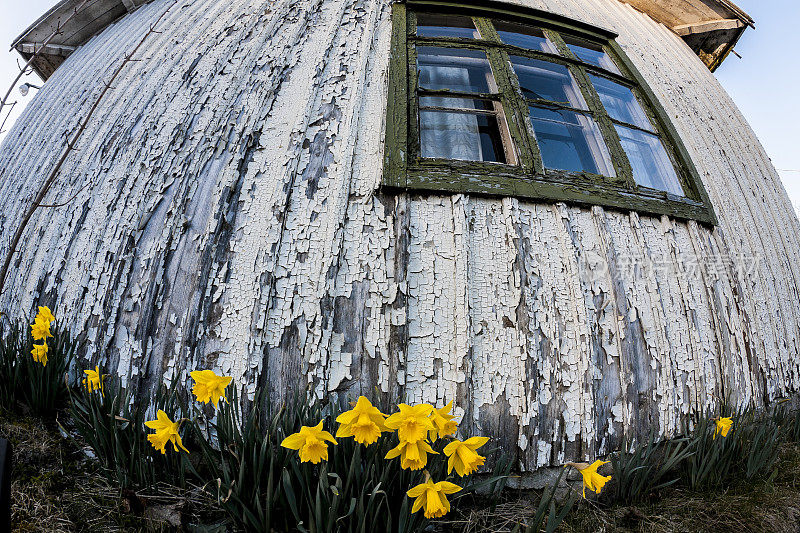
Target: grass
<point>56,487</point>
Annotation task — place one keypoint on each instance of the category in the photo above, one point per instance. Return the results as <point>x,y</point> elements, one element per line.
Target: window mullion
<point>619,158</point>
<point>514,106</point>
<point>413,104</point>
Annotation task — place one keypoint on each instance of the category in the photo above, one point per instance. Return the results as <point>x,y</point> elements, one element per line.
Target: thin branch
<point>62,204</point>
<point>70,146</point>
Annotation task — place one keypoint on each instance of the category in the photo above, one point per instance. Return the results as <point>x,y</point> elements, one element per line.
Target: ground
<point>57,488</point>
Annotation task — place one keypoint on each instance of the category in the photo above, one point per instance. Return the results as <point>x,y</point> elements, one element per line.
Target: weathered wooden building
<point>547,210</point>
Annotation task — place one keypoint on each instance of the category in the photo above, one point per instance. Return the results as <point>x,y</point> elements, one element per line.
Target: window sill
<point>510,181</point>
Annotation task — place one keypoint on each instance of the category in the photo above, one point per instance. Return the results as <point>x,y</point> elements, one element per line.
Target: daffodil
<point>462,456</point>
<point>412,422</point>
<point>40,329</point>
<point>93,380</point>
<point>413,455</point>
<point>39,353</point>
<point>166,431</point>
<point>364,422</point>
<point>209,387</point>
<point>723,426</point>
<point>443,424</point>
<point>45,314</point>
<point>310,443</point>
<point>432,496</point>
<point>591,479</point>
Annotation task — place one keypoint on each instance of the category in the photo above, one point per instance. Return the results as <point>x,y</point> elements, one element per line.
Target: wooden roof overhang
<point>73,22</point>
<point>710,27</point>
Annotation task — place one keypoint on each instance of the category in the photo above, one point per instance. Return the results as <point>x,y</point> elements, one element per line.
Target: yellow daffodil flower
<point>462,456</point>
<point>432,496</point>
<point>413,455</point>
<point>364,422</point>
<point>166,431</point>
<point>412,422</point>
<point>45,314</point>
<point>40,329</point>
<point>443,424</point>
<point>310,442</point>
<point>93,380</point>
<point>723,426</point>
<point>209,387</point>
<point>39,353</point>
<point>591,479</point>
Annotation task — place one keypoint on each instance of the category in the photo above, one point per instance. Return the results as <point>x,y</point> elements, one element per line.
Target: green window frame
<point>525,175</point>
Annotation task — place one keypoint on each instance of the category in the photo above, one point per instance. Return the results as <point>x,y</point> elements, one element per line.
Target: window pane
<point>591,53</point>
<point>466,136</point>
<point>456,103</point>
<point>621,103</point>
<point>570,141</point>
<point>454,69</point>
<point>524,37</point>
<point>429,25</point>
<point>541,80</point>
<point>651,164</point>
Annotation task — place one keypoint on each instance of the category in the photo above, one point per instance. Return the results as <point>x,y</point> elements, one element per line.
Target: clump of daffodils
<point>40,331</point>
<point>417,428</point>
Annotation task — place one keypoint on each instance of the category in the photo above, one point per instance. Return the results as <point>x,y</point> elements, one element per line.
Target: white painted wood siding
<point>228,216</point>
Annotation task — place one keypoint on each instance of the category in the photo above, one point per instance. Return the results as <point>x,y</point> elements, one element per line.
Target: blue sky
<point>764,83</point>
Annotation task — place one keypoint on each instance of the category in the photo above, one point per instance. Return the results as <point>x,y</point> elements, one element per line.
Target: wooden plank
<point>707,26</point>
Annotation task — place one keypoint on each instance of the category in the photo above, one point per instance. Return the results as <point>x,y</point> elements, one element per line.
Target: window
<point>484,101</point>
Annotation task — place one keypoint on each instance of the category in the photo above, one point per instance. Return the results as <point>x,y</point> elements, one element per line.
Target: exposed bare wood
<point>708,26</point>
<point>49,49</point>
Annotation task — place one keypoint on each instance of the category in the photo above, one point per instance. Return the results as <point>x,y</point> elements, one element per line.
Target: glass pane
<point>541,80</point>
<point>591,53</point>
<point>570,141</point>
<point>454,69</point>
<point>621,103</point>
<point>651,164</point>
<point>466,136</point>
<point>524,37</point>
<point>429,25</point>
<point>456,103</point>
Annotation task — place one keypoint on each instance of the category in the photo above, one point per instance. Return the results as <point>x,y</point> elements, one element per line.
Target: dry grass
<point>764,507</point>
<point>759,507</point>
<point>56,488</point>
